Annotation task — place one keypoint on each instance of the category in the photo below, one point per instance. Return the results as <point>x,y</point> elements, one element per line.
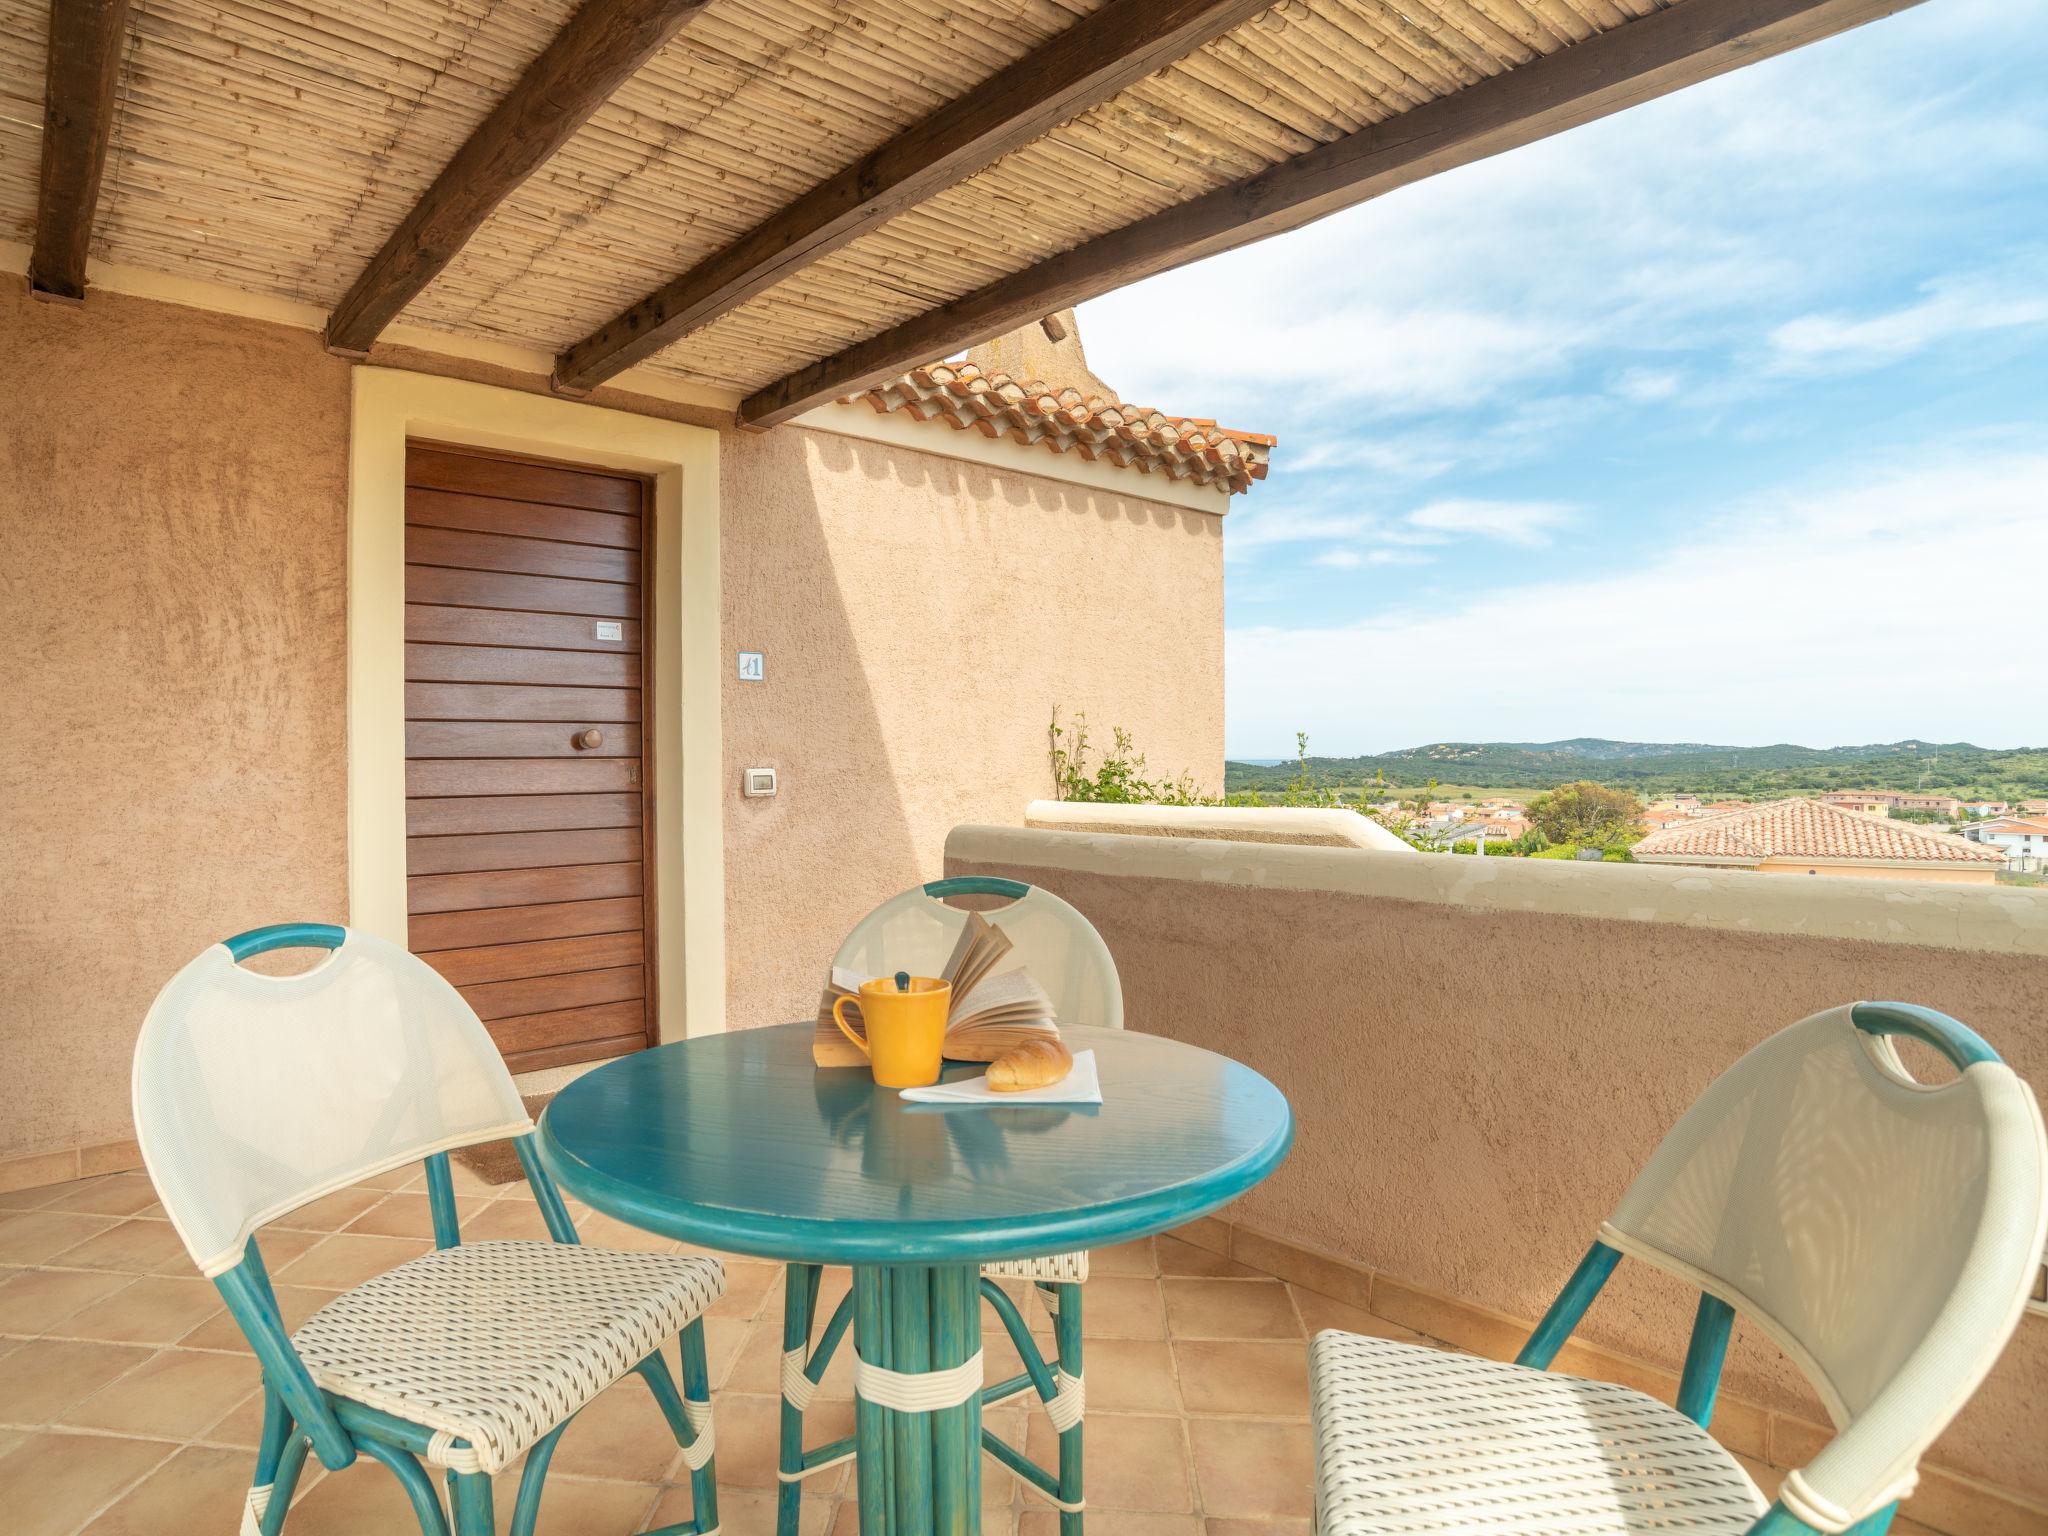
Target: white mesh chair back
<point>1882,1230</point>
<point>916,932</point>
<point>254,1094</point>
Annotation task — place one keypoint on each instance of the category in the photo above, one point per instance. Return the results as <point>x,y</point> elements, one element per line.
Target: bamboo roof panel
<point>274,144</point>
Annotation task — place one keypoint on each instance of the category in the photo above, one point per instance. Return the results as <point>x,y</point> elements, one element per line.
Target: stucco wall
<point>1476,1085</point>
<point>919,618</point>
<point>173,501</point>
<point>172,510</point>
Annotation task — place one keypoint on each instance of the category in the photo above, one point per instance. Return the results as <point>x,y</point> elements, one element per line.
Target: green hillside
<point>1655,769</point>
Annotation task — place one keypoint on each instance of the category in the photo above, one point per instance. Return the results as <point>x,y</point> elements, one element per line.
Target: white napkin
<point>1080,1086</point>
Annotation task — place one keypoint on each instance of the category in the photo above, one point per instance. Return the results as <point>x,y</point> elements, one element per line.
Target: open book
<point>992,1010</point>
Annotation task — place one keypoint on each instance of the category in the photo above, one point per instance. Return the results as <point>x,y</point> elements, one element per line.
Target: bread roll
<point>1035,1064</point>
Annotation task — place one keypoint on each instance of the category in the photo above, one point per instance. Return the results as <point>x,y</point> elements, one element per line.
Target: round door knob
<point>587,741</point>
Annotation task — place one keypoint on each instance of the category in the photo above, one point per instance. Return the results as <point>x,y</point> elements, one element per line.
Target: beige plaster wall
<point>173,505</point>
<point>1474,1087</point>
<point>172,511</point>
<point>920,616</point>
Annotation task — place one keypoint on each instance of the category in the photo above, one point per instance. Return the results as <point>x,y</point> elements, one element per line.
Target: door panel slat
<point>467,551</point>
<point>521,850</point>
<point>435,931</point>
<point>582,774</point>
<point>519,667</point>
<point>520,887</point>
<point>545,994</point>
<point>458,738</point>
<point>440,470</point>
<point>570,1055</point>
<point>519,813</point>
<point>527,594</point>
<point>491,514</point>
<point>499,701</point>
<point>427,622</point>
<point>547,957</point>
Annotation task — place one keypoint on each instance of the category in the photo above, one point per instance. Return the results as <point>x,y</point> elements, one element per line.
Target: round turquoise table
<point>739,1142</point>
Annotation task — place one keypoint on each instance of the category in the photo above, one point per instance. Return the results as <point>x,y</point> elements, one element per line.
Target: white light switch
<point>756,782</point>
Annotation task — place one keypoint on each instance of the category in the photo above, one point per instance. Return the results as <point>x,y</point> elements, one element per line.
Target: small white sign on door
<point>750,667</point>
<point>610,629</point>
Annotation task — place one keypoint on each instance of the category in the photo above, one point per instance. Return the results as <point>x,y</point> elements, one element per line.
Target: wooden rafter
<point>1689,41</point>
<point>86,39</point>
<point>1088,63</point>
<point>602,46</point>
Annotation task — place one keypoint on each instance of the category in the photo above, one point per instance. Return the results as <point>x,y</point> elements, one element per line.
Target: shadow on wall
<point>802,867</point>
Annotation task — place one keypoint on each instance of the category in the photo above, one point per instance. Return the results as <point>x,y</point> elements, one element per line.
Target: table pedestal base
<point>916,1329</point>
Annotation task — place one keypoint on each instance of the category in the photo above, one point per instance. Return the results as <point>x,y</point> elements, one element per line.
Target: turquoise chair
<point>916,931</point>
<point>1883,1232</point>
<point>255,1094</point>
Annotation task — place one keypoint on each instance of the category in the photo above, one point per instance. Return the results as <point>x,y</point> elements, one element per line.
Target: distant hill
<point>1686,767</point>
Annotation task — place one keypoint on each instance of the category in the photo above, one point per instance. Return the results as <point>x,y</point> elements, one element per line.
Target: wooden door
<point>529,823</point>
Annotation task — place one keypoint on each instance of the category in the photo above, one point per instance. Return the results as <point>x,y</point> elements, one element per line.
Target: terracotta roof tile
<point>1129,436</point>
<point>1810,829</point>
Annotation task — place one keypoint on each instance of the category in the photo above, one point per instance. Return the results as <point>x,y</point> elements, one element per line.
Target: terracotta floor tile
<point>602,1231</point>
<point>360,1500</point>
<point>1230,1309</point>
<point>1245,1379</point>
<point>401,1177</point>
<point>241,1425</point>
<point>1043,1520</point>
<point>1320,1312</point>
<point>330,1213</point>
<point>295,1303</point>
<point>349,1259</point>
<point>513,1217</point>
<point>746,1512</point>
<point>154,1310</point>
<point>413,1216</point>
<point>1121,1307</point>
<point>1136,1462</point>
<point>140,1247</point>
<point>118,1194</point>
<point>51,1484</point>
<point>198,1489</point>
<point>1138,1258</point>
<point>43,1377</point>
<point>622,1435</point>
<point>37,1300</point>
<point>36,1196</point>
<point>33,1237</point>
<point>759,1366</point>
<point>1179,1258</point>
<point>723,1337</point>
<point>1129,1376</point>
<point>1254,1469</point>
<point>748,1427</point>
<point>173,1396</point>
<point>573,1506</point>
<point>747,1284</point>
<point>1259,1527</point>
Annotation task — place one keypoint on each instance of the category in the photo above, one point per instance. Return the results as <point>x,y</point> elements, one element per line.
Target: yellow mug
<point>905,1029</point>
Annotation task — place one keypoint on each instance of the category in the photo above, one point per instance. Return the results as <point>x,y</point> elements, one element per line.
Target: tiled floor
<point>128,1402</point>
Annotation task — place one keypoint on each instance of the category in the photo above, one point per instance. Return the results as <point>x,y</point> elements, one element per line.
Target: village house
<point>2023,841</point>
<point>1812,837</point>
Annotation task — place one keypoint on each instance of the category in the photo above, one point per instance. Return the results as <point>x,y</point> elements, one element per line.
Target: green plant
<point>1119,778</point>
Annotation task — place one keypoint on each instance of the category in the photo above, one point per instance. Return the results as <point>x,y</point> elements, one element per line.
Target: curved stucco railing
<point>1299,827</point>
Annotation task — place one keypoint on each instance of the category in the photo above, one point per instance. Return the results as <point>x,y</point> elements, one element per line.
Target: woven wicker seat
<point>1412,1439</point>
<point>1055,1269</point>
<point>495,1343</point>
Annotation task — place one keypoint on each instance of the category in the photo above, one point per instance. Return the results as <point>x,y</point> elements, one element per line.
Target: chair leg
<point>532,1481</point>
<point>472,1500</point>
<point>1067,1339</point>
<point>689,1420</point>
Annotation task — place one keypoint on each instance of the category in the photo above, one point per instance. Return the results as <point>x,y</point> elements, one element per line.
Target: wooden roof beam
<point>1641,59</point>
<point>604,44</point>
<point>78,118</point>
<point>1091,61</point>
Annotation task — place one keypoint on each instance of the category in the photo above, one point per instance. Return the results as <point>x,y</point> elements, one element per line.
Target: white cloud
<point>1527,523</point>
<point>1889,607</point>
<point>1645,385</point>
<point>1341,559</point>
<point>1950,309</point>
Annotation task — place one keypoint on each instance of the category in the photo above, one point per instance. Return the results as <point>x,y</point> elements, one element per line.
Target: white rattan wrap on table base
<point>1055,1269</point>
<point>1410,1439</point>
<point>496,1343</point>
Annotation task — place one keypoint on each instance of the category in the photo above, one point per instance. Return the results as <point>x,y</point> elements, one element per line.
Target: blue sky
<point>1724,419</point>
